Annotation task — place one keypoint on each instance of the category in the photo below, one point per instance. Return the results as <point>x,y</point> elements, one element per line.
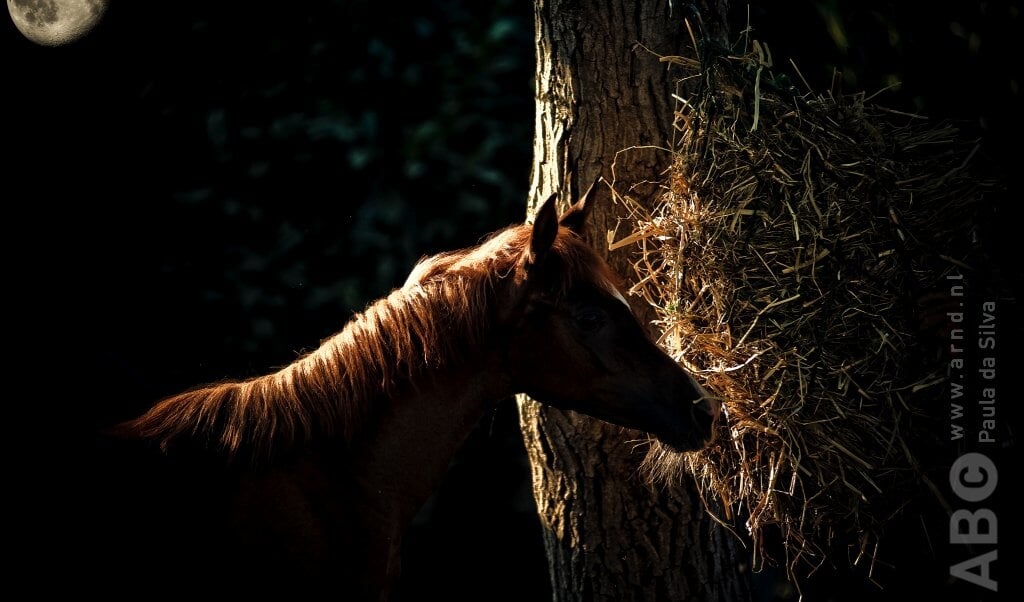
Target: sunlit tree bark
<point>605,108</point>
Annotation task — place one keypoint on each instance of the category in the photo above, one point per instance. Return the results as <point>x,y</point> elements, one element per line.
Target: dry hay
<point>794,234</point>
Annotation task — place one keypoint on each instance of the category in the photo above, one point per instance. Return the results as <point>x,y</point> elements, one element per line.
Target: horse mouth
<point>688,432</point>
<point>687,443</point>
<point>701,432</point>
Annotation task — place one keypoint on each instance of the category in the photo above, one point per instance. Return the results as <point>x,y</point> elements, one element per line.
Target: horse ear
<point>575,217</point>
<point>545,229</point>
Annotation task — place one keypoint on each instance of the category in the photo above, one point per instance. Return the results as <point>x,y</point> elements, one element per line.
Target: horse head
<point>577,345</point>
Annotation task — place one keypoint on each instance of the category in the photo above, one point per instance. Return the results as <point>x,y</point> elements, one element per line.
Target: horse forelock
<point>440,316</point>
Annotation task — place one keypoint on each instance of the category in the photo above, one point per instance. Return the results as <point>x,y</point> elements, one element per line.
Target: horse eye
<point>589,320</point>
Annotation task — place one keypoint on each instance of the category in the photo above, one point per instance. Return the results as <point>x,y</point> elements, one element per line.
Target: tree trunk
<point>601,89</point>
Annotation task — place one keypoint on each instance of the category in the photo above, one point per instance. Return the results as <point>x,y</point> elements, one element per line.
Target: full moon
<point>56,22</point>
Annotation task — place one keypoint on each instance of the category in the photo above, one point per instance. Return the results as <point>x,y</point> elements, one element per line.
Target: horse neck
<point>403,459</point>
<point>421,429</point>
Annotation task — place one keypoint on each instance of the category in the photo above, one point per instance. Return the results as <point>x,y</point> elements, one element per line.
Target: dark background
<point>201,190</point>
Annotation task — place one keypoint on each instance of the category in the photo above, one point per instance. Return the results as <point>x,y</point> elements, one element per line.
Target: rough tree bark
<point>610,536</point>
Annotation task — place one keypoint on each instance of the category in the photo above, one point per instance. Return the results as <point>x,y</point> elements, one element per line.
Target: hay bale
<point>795,233</point>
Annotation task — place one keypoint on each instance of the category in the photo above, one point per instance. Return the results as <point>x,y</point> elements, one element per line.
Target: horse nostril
<point>712,406</point>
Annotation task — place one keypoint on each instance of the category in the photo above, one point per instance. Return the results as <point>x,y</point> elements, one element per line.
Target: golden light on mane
<point>440,316</point>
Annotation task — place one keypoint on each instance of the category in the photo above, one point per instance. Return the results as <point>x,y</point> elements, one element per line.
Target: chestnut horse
<point>310,475</point>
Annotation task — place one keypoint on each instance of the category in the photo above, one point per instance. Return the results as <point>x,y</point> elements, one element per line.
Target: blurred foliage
<point>333,146</point>
<point>246,175</point>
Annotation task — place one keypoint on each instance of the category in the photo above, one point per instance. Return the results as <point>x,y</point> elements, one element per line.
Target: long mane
<point>436,318</point>
<point>439,317</point>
